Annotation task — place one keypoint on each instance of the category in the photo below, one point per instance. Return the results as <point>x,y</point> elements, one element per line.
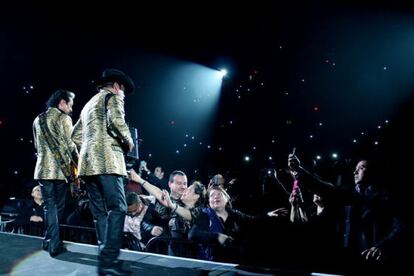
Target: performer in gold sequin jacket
<point>55,151</point>
<point>100,152</point>
<point>102,133</point>
<point>60,125</point>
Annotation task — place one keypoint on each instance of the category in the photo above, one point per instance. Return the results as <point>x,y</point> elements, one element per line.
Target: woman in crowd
<point>219,228</point>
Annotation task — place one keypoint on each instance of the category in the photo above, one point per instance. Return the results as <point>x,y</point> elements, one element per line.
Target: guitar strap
<point>53,146</point>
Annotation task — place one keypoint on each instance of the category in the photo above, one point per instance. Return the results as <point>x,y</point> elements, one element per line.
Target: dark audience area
<point>341,227</point>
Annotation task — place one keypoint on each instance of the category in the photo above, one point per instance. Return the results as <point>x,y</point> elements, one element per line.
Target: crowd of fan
<point>321,225</point>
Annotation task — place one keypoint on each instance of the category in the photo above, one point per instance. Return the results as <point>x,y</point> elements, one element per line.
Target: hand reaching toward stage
<point>373,253</point>
<point>135,177</point>
<point>166,200</point>
<point>162,196</point>
<point>281,212</point>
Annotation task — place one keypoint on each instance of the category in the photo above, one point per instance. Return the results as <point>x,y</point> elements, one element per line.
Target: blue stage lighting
<point>223,73</point>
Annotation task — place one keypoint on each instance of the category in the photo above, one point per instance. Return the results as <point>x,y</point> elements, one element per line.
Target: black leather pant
<point>53,193</point>
<point>108,206</point>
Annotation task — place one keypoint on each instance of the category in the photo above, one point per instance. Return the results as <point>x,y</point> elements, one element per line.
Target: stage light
<point>334,155</point>
<point>247,158</point>
<point>223,72</point>
<point>318,157</point>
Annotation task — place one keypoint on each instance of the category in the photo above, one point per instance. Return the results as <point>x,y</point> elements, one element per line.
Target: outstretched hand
<point>280,212</point>
<point>133,176</point>
<point>373,253</point>
<point>166,199</point>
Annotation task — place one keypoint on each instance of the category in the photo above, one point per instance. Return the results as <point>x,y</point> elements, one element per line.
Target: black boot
<point>45,245</point>
<point>57,251</point>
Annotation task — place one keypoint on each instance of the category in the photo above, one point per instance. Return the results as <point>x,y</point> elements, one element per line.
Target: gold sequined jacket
<point>101,153</point>
<point>60,127</point>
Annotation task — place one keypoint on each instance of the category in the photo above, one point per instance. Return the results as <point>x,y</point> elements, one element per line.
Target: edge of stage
<point>22,255</point>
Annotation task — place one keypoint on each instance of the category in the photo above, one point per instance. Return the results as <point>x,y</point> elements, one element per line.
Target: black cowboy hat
<point>113,75</point>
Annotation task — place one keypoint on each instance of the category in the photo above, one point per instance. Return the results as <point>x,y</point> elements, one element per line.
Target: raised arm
<point>152,189</point>
<point>181,211</point>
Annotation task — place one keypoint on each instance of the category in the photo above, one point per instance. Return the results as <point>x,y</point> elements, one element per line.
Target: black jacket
<point>26,209</point>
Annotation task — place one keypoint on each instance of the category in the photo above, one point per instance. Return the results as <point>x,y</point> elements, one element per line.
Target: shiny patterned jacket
<point>101,153</point>
<point>60,128</point>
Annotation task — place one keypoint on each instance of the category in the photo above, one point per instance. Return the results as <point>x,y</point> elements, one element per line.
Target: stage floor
<point>21,255</point>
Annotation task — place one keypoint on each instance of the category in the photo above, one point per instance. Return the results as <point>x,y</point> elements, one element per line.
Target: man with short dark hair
<point>104,137</point>
<point>138,223</point>
<point>156,178</point>
<point>177,226</point>
<point>55,152</point>
<point>369,225</point>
